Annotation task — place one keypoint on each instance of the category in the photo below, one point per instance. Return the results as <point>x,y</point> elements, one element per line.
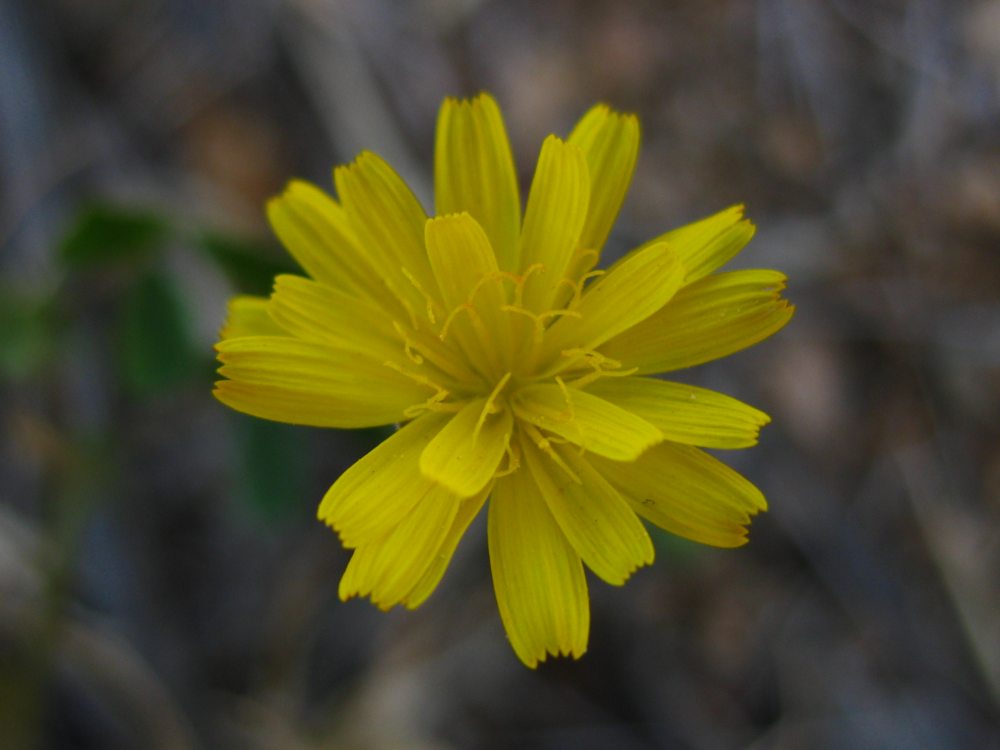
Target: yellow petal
<point>316,312</point>
<point>301,382</point>
<point>598,522</point>
<point>685,413</point>
<point>464,455</point>
<point>474,172</point>
<point>687,492</point>
<point>471,289</point>
<point>316,231</point>
<point>377,492</point>
<point>592,423</point>
<point>627,294</point>
<point>389,224</point>
<point>246,315</point>
<point>468,509</point>
<point>389,568</point>
<point>706,320</point>
<point>460,255</point>
<point>553,220</point>
<point>538,579</point>
<point>610,142</point>
<point>705,245</point>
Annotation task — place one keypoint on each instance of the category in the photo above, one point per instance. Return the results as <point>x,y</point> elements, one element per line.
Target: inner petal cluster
<point>510,372</point>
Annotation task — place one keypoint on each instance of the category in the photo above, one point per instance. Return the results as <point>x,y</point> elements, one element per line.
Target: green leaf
<point>251,266</point>
<point>156,349</point>
<point>27,334</point>
<point>272,468</point>
<point>104,234</point>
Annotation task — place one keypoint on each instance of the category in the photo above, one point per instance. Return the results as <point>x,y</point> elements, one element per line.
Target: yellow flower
<point>517,372</point>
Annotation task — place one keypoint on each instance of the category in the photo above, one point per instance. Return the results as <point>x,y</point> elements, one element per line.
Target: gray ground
<point>163,583</point>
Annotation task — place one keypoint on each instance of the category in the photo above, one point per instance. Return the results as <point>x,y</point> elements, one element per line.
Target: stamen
<point>427,297</point>
<point>482,338</point>
<point>506,276</point>
<point>491,276</point>
<point>423,346</point>
<point>583,253</point>
<point>451,316</point>
<point>520,280</point>
<point>591,357</point>
<point>435,403</point>
<point>557,313</point>
<point>485,341</point>
<point>539,318</point>
<point>408,347</point>
<point>513,454</point>
<point>417,377</point>
<point>570,415</point>
<point>529,359</point>
<point>489,407</point>
<point>545,445</point>
<point>409,310</point>
<point>576,287</point>
<point>597,374</point>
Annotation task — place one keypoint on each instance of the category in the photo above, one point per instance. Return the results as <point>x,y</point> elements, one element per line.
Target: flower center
<point>491,344</point>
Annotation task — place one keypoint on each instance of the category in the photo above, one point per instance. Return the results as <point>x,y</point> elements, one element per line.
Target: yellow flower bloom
<point>517,372</point>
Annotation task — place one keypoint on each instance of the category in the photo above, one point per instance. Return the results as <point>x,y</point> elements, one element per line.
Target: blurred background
<point>163,581</point>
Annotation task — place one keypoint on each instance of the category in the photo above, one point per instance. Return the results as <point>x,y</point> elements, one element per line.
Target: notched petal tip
<point>291,186</point>
<point>552,141</point>
<point>479,99</point>
<point>607,111</point>
<point>543,655</point>
<point>785,311</point>
<point>346,595</point>
<point>780,282</point>
<point>324,514</point>
<point>350,169</point>
<point>643,562</point>
<point>364,156</point>
<point>298,187</point>
<point>346,592</point>
<point>738,542</point>
<point>441,221</point>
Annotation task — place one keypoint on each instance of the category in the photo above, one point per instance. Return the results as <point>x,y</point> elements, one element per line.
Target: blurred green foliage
<point>155,347</point>
<point>247,264</point>
<point>272,467</point>
<point>157,354</point>
<point>105,233</point>
<point>26,335</point>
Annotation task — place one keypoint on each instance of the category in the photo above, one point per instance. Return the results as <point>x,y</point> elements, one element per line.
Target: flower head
<point>518,374</point>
